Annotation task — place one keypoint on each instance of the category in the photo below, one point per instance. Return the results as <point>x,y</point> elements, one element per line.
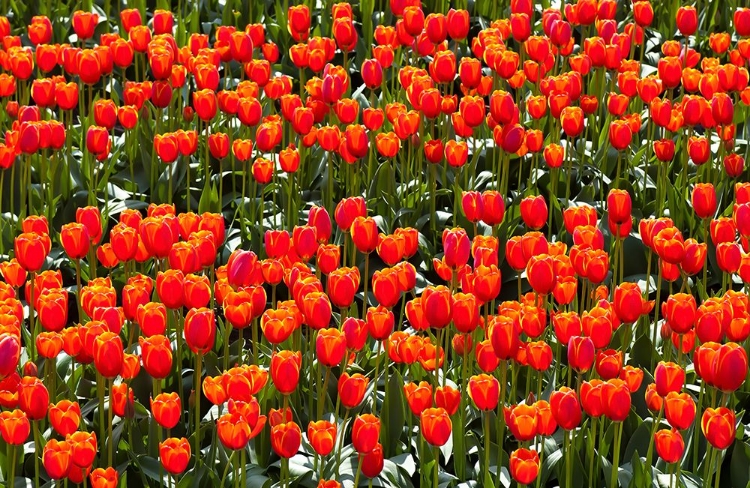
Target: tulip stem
<point>323,396</point>
<point>500,407</point>
<point>197,406</point>
<point>13,453</point>
<point>242,467</point>
<point>341,442</point>
<point>178,340</point>
<point>285,471</point>
<point>656,315</point>
<point>698,411</point>
<point>718,468</point>
<point>227,331</point>
<point>616,459</point>
<point>569,457</point>
<point>366,281</point>
<point>100,391</point>
<point>329,193</point>
<point>592,455</point>
<point>487,447</point>
<point>78,290</point>
<point>375,379</point>
<point>359,470</point>
<point>109,424</point>
<point>437,465</point>
<point>32,325</point>
<point>710,451</point>
<point>37,453</point>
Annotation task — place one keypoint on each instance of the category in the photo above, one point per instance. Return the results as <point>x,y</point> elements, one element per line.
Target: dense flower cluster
<point>322,321</point>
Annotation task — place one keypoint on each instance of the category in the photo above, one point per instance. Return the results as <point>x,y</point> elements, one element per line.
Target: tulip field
<point>399,244</point>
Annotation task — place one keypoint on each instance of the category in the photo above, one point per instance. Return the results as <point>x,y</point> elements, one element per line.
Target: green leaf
<point>739,465</point>
<point>393,414</point>
<point>209,201</point>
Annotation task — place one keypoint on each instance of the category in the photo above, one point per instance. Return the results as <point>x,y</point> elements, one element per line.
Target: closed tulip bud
<point>718,426</point>
<point>725,375</point>
<point>616,400</point>
<point>668,377</point>
<point>174,455</point>
<point>534,212</point>
<point>679,410</point>
<point>524,465</point>
<point>565,407</point>
<point>108,354</point>
<point>365,433</point>
<point>687,20</point>
<point>166,409</point>
<point>669,445</point>
<point>14,427</point>
<point>200,330</point>
<point>285,370</point>
<point>56,459</point>
<point>457,247</point>
<point>10,352</point>
<point>628,302</point>
<point>330,347</point>
<point>364,231</point>
<point>322,436</point>
<point>704,200</point>
<point>352,389</point>
<point>435,425</point>
<point>581,353</point>
<point>680,312</point>
<point>472,206</point>
<point>438,306</point>
<point>234,430</point>
<point>484,391</point>
<point>418,396</point>
<point>156,354</point>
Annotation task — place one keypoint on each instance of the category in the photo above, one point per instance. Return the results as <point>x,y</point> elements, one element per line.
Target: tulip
<point>668,377</point>
<point>726,376</point>
<point>679,410</point>
<point>285,371</point>
<point>65,417</point>
<point>365,433</point>
<point>435,425</point>
<point>484,391</point>
<point>14,427</point>
<point>718,425</point>
<point>56,458</point>
<point>174,455</point>
<point>687,20</point>
<point>524,465</point>
<point>33,398</point>
<point>566,408</point>
<point>352,389</point>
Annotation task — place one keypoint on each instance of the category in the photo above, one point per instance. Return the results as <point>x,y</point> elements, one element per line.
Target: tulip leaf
<point>739,466</point>
<point>209,201</point>
<point>393,418</point>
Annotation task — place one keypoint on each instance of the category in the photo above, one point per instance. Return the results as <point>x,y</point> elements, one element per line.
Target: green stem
<point>592,455</point>
<point>616,459</point>
<point>110,443</point>
<point>487,428</point>
<point>13,453</point>
<point>341,443</point>
<point>197,406</point>
<point>37,452</point>
<point>375,379</point>
<point>359,470</point>
<point>32,311</point>
<point>323,396</point>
